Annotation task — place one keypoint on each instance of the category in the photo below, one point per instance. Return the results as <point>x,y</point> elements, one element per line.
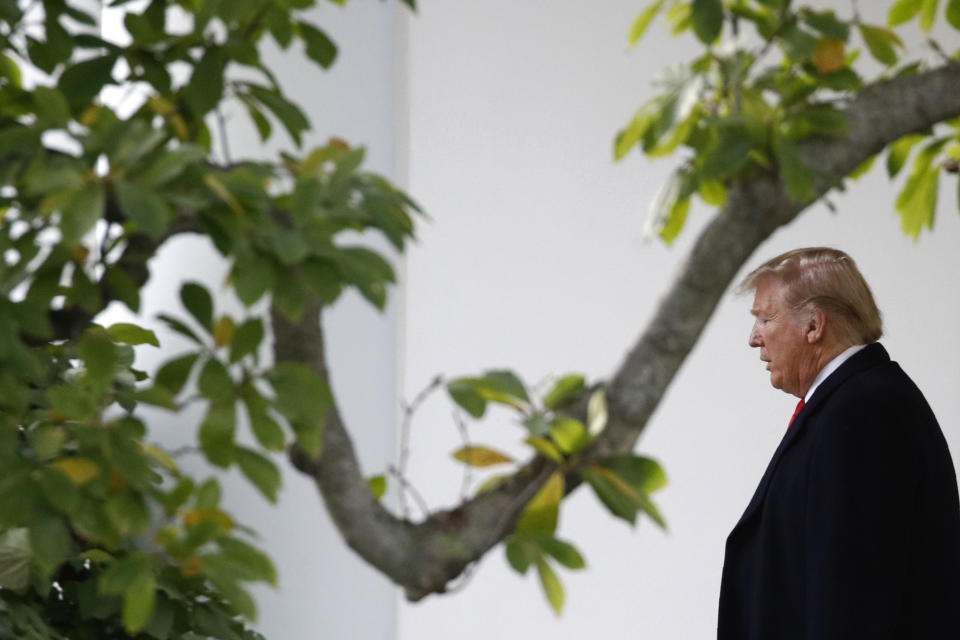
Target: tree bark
<point>423,557</point>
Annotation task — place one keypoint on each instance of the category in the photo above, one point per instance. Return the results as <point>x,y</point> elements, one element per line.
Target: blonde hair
<point>826,279</point>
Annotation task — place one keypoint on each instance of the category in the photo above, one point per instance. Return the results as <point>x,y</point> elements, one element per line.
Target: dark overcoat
<point>854,530</point>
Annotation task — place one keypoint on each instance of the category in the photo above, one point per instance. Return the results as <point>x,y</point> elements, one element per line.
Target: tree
<point>56,412</point>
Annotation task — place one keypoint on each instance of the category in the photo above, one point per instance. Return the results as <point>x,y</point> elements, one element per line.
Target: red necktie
<point>796,412</point>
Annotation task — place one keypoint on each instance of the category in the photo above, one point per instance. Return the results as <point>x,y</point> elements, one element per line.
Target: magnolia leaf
<point>880,43</point>
<point>563,389</point>
<point>707,19</point>
<point>520,554</point>
<point>260,471</point>
<point>197,300</point>
<point>80,470</point>
<point>15,557</point>
<point>132,334</point>
<point>569,434</point>
<point>903,11</point>
<point>378,485</point>
<point>953,14</point>
<point>545,448</point>
<point>139,600</point>
<point>543,511</point>
<point>597,413</point>
<point>476,456</point>
<point>640,25</point>
<point>551,585</point>
<point>563,552</point>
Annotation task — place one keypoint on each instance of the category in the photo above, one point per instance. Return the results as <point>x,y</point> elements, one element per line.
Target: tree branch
<point>423,557</point>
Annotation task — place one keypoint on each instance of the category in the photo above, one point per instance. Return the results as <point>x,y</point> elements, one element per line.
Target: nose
<point>754,340</point>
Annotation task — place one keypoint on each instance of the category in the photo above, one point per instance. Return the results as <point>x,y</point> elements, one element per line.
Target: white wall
<point>535,260</point>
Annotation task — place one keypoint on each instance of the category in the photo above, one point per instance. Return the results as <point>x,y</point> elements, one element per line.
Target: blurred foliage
<point>102,534</point>
<point>775,73</point>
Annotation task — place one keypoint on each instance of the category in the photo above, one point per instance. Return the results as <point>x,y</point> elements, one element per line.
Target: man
<point>854,530</point>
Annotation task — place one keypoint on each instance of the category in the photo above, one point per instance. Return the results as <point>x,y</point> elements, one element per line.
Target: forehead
<point>769,296</point>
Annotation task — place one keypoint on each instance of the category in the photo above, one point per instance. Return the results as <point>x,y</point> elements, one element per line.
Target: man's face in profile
<point>781,338</point>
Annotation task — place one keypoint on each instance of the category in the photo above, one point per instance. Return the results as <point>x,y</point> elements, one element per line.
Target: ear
<point>816,326</point>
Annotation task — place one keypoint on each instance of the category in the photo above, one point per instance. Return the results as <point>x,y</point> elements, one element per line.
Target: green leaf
<point>139,601</point>
<point>252,276</point>
<point>615,494</point>
<point>132,334</point>
<point>827,24</point>
<point>903,11</point>
<point>880,42</point>
<point>205,88</point>
<point>121,574</point>
<point>545,448</point>
<point>288,295</point>
<point>254,564</point>
<point>215,381</point>
<point>51,106</point>
<point>81,82</point>
<point>378,485</point>
<point>269,434</point>
<point>505,381</point>
<point>953,14</point>
<point>180,327</point>
<point>726,154</point>
<point>543,511</point>
<point>563,552</point>
<point>640,25</point>
<point>15,557</point>
<point>323,279</point>
<point>260,471</point>
<point>793,171</point>
<point>863,168</point>
<point>563,389</point>
<point>174,373</point>
<point>82,212</point>
<point>197,300</point>
<point>928,13</point>
<point>551,585</point>
<point>301,394</point>
<point>569,434</point>
<point>713,192</point>
<point>49,539</point>
<point>320,48</point>
<point>289,114</point>
<point>520,554</point>
<point>476,456</point>
<point>899,151</point>
<point>707,19</point>
<point>123,287</point>
<point>643,474</point>
<point>246,339</point>
<point>467,397</point>
<point>145,207</point>
<point>217,432</point>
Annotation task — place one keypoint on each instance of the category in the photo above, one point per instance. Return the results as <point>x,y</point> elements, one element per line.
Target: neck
<point>821,358</point>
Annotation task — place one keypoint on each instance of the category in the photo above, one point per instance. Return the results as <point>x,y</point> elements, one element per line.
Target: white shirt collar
<point>832,366</point>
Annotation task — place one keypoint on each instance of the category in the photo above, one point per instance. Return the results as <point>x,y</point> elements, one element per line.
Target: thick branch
<point>755,208</point>
<point>421,557</point>
<point>424,557</point>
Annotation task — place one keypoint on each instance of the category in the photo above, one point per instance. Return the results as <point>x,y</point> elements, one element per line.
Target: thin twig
<point>405,423</point>
<point>406,486</point>
<point>467,469</point>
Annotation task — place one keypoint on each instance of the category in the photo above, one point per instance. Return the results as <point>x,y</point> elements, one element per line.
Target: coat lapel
<point>864,359</point>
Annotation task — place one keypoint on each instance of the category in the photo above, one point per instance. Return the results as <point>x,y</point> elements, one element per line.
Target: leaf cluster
<point>773,74</point>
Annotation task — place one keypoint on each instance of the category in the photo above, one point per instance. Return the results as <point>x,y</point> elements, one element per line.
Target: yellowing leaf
<point>829,56</point>
<point>193,517</point>
<point>160,456</point>
<point>542,513</point>
<point>80,470</point>
<point>223,331</point>
<point>480,456</point>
